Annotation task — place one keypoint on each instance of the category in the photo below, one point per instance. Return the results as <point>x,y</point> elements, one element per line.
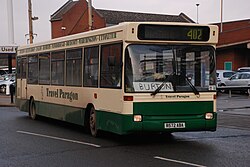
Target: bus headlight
<point>209,116</point>
<point>137,118</point>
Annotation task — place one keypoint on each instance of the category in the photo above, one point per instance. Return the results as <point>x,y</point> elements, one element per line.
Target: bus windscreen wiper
<point>161,86</point>
<point>196,92</point>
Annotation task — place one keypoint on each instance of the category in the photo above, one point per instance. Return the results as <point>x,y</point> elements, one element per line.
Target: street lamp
<point>221,15</point>
<point>10,21</point>
<point>31,19</point>
<point>90,15</point>
<point>197,12</point>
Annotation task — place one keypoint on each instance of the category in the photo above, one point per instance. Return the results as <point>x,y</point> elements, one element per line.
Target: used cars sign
<point>8,49</point>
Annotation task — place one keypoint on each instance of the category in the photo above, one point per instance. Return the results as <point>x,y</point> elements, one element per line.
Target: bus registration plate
<point>176,125</point>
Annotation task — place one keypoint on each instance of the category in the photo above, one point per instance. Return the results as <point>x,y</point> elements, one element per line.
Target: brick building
<point>233,49</point>
<point>72,18</point>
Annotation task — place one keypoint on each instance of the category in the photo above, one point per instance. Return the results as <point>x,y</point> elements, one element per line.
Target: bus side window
<point>74,67</point>
<point>44,68</point>
<point>33,69</point>
<point>19,65</point>
<point>57,68</point>
<point>91,66</point>
<point>111,66</point>
<point>23,67</point>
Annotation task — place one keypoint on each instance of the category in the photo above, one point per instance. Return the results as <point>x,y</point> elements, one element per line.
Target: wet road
<point>45,142</point>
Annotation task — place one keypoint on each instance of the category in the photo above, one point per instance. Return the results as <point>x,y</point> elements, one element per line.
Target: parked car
<point>7,79</point>
<point>240,79</point>
<point>243,69</point>
<point>222,76</point>
<point>3,72</point>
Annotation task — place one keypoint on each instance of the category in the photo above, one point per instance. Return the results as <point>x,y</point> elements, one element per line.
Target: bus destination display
<point>173,32</point>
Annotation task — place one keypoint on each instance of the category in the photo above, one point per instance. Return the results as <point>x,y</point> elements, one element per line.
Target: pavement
<point>5,101</point>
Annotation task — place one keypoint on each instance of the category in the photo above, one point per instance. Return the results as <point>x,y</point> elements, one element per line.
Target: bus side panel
<point>60,112</point>
<point>22,104</point>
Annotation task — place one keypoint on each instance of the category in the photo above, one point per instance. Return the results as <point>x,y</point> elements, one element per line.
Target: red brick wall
<point>242,57</point>
<point>234,25</point>
<point>229,47</point>
<point>56,29</point>
<point>234,36</point>
<point>234,32</point>
<point>224,56</point>
<point>238,57</point>
<point>76,21</point>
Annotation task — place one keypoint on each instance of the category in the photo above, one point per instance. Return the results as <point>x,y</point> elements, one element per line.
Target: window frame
<point>120,64</point>
<point>36,64</point>
<point>98,66</point>
<point>68,59</point>
<point>58,60</point>
<point>44,82</point>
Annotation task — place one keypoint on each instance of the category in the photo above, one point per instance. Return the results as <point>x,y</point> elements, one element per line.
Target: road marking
<point>176,161</point>
<point>58,138</point>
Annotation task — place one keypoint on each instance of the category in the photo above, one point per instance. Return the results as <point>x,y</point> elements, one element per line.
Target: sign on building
<point>8,49</point>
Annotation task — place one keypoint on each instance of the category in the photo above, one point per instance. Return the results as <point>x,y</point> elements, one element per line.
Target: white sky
<point>209,12</point>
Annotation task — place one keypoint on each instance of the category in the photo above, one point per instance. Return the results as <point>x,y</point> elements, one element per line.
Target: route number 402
<point>195,34</point>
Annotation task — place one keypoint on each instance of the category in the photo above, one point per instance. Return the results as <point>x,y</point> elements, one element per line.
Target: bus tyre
<point>248,91</point>
<point>32,109</point>
<point>92,122</point>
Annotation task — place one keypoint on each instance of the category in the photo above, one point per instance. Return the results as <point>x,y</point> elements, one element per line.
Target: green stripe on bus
<point>173,108</point>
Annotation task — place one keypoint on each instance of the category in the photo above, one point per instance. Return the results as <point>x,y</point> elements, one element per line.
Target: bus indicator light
<point>137,118</point>
<point>128,98</point>
<point>209,116</point>
<point>95,95</point>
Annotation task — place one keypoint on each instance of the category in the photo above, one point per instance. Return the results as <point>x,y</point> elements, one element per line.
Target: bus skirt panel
<point>156,117</point>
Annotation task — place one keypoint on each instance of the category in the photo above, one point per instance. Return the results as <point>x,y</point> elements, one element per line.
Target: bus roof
<point>107,34</point>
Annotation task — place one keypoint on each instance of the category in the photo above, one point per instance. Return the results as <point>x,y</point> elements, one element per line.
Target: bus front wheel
<point>32,109</point>
<point>92,122</point>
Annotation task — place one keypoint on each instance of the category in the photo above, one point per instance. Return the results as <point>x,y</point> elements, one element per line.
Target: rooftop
<point>115,17</point>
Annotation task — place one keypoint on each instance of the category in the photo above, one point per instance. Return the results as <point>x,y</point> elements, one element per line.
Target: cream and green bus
<point>128,78</point>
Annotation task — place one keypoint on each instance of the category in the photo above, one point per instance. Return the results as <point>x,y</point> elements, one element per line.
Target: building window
<point>111,66</point>
<point>57,68</point>
<point>33,69</point>
<point>44,68</point>
<point>74,67</point>
<point>91,66</point>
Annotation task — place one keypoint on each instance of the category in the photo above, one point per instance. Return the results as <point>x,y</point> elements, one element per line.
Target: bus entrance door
<point>21,88</point>
<point>22,79</point>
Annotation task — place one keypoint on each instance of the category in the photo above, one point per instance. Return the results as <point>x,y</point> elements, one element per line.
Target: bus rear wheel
<point>92,122</point>
<point>32,109</point>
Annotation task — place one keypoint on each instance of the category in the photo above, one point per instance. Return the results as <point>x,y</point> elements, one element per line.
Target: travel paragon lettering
<point>59,93</point>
